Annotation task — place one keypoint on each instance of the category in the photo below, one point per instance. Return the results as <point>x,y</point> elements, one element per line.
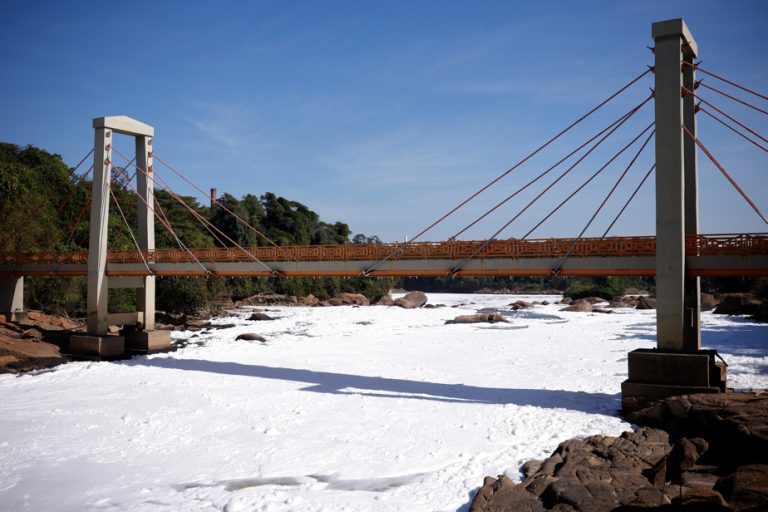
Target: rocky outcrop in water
<point>697,452</point>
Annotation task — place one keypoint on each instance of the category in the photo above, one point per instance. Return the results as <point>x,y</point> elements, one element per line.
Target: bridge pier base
<point>143,340</point>
<point>103,347</point>
<point>678,366</point>
<point>12,298</point>
<point>655,375</point>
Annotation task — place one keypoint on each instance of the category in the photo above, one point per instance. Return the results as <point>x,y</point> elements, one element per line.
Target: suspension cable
<point>750,130</point>
<point>400,247</point>
<point>743,88</point>
<point>216,201</point>
<point>637,189</point>
<point>713,116</point>
<point>205,222</point>
<point>560,264</point>
<point>734,98</point>
<point>725,173</point>
<point>525,208</point>
<point>130,231</point>
<point>167,226</point>
<point>534,180</point>
<point>589,180</point>
<point>164,185</point>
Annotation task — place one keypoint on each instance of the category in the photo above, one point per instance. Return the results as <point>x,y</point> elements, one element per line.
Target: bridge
<point>677,255</point>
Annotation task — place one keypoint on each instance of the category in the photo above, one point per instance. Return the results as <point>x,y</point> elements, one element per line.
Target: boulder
<point>595,473</point>
<point>385,300</point>
<point>335,301</point>
<point>521,304</point>
<point>311,300</point>
<point>259,316</point>
<point>594,300</point>
<point>412,300</point>
<point>646,303</point>
<point>620,302</point>
<point>250,336</point>
<point>579,306</point>
<point>746,488</point>
<point>356,299</point>
<point>737,304</point>
<point>566,300</point>
<point>708,302</point>
<point>473,319</point>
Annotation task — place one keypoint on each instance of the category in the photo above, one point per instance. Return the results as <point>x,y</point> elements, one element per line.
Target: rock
<point>335,301</point>
<point>250,336</point>
<point>646,303</point>
<point>545,303</point>
<point>708,302</point>
<point>520,304</point>
<point>530,467</point>
<point>385,300</point>
<point>594,300</point>
<point>259,316</point>
<point>620,303</point>
<point>596,473</point>
<point>734,425</point>
<point>356,299</point>
<point>683,457</point>
<point>473,319</point>
<point>579,306</point>
<point>746,488</point>
<point>601,310</point>
<point>311,300</point>
<point>503,495</point>
<point>737,304</point>
<point>411,300</point>
<point>566,300</point>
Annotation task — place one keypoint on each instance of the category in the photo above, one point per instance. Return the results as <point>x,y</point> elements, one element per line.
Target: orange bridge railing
<point>740,244</point>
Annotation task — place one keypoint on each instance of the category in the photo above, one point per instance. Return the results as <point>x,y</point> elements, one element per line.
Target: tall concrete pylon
<point>142,336</point>
<point>678,365</point>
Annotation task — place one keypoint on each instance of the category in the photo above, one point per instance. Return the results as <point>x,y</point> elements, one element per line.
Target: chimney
<point>213,198</point>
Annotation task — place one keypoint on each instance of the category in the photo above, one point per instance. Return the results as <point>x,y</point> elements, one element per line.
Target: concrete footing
<point>15,316</point>
<point>147,341</point>
<point>654,375</point>
<point>98,346</point>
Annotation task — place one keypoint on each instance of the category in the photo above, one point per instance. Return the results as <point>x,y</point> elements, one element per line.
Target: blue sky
<point>381,114</point>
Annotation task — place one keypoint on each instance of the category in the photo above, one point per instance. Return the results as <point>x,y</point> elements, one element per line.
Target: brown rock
<point>259,316</point>
<point>335,301</point>
<point>356,299</point>
<point>473,319</point>
<point>503,495</point>
<point>385,300</point>
<point>646,303</point>
<point>411,300</point>
<point>250,336</point>
<point>737,304</point>
<point>311,300</point>
<point>566,300</point>
<point>708,302</point>
<point>579,306</point>
<point>746,488</point>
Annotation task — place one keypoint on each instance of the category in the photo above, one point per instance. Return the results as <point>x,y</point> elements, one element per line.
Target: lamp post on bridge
<point>678,365</point>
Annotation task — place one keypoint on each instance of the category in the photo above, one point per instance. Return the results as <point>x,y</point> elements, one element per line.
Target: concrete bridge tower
<point>140,333</point>
<point>678,365</point>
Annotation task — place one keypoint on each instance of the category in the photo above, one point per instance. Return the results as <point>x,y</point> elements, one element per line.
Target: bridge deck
<point>739,254</point>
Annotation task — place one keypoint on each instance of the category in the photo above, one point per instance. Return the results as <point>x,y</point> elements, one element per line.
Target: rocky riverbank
<point>697,452</point>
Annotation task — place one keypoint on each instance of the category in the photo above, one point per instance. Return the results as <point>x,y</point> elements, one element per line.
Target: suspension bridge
<point>677,255</point>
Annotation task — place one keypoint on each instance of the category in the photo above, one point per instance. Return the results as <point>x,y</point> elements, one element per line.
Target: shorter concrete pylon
<point>98,342</point>
<point>12,298</point>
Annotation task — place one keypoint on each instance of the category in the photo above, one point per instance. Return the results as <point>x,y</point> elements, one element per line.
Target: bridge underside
<point>704,265</point>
